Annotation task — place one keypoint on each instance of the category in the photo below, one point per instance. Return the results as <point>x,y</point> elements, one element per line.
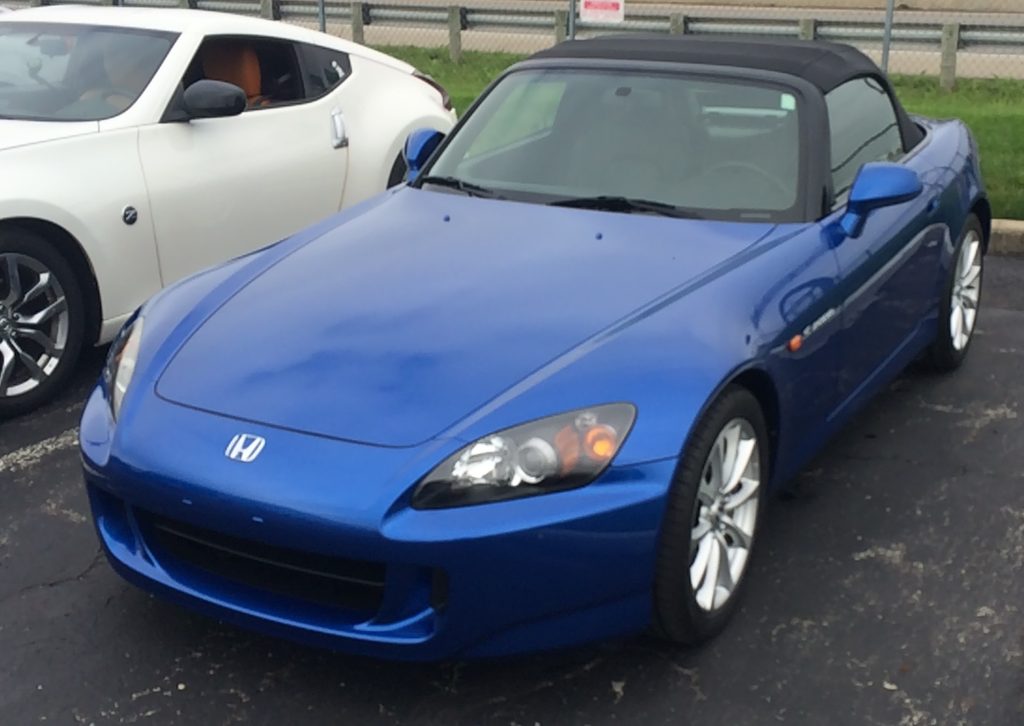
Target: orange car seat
<point>235,63</point>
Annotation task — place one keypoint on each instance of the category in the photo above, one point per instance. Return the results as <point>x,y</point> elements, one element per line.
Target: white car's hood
<point>22,133</point>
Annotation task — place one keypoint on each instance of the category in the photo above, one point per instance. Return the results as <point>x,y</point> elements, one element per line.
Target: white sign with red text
<point>602,11</point>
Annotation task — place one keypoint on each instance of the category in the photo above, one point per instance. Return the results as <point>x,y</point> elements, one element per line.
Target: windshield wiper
<point>451,182</point>
<point>610,203</point>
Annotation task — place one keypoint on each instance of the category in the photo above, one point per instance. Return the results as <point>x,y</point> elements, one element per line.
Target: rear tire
<point>961,300</point>
<point>710,522</point>
<point>398,172</point>
<point>42,321</point>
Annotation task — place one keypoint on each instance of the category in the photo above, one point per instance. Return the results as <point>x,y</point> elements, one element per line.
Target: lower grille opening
<point>322,579</point>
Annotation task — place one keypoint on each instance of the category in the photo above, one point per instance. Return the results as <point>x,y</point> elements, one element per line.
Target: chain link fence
<point>947,39</point>
<point>952,39</point>
<point>941,38</point>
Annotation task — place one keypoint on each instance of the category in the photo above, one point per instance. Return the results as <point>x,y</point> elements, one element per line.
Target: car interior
<point>266,70</point>
<point>703,148</point>
<point>77,73</point>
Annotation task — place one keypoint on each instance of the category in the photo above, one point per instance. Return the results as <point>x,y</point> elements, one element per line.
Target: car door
<point>888,269</point>
<point>220,187</point>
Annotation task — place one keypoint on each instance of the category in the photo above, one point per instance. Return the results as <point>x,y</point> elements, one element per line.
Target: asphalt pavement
<point>889,592</point>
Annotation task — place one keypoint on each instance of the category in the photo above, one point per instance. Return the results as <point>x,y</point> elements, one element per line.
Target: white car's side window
<point>267,70</point>
<point>324,69</point>
<point>271,72</point>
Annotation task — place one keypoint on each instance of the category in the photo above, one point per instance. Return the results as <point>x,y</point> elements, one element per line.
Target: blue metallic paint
<point>406,343</point>
<point>418,148</point>
<point>468,335</point>
<point>878,184</point>
<point>335,498</point>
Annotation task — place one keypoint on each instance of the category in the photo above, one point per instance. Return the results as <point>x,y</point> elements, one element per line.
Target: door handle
<point>339,136</point>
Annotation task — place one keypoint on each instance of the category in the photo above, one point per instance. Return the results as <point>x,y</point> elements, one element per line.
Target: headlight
<point>121,360</point>
<point>548,455</point>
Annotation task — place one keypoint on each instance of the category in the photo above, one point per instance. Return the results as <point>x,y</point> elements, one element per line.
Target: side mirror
<point>213,99</point>
<point>878,184</point>
<point>418,148</point>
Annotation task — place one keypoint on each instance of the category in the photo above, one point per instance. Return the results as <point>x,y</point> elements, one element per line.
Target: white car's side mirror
<point>213,99</point>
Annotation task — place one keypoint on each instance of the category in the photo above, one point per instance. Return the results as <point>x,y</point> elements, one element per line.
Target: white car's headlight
<point>548,455</point>
<point>121,360</point>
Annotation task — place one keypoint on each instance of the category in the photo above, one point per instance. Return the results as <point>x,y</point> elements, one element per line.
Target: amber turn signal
<point>600,442</point>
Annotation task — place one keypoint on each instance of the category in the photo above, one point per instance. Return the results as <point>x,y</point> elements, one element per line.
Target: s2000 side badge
<point>130,215</point>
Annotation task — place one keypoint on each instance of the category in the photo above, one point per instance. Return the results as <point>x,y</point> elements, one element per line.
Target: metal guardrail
<point>946,38</point>
<point>745,21</point>
<point>238,8</point>
<point>742,21</point>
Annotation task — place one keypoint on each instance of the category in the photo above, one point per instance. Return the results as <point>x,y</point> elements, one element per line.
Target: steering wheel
<point>119,103</point>
<point>120,99</point>
<point>743,166</point>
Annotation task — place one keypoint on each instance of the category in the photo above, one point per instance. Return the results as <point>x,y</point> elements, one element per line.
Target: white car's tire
<point>42,321</point>
<point>398,172</point>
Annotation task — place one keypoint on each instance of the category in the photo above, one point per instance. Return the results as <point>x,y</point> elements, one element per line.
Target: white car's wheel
<point>42,321</point>
<point>398,171</point>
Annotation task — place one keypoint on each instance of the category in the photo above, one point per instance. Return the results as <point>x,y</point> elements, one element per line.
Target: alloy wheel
<point>34,324</point>
<point>725,515</point>
<point>963,309</point>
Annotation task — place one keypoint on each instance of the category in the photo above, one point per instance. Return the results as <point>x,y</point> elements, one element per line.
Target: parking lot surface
<point>890,591</point>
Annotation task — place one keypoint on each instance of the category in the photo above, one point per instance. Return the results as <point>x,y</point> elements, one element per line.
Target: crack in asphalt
<point>97,558</point>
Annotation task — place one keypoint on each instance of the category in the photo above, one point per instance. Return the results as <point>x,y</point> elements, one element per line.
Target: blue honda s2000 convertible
<point>539,394</point>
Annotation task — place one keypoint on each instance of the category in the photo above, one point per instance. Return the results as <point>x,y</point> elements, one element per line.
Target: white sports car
<point>141,145</point>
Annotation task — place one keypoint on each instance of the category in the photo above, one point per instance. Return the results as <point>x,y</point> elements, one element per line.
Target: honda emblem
<point>245,448</point>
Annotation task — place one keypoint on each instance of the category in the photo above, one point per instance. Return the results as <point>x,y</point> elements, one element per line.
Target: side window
<point>266,70</point>
<point>323,69</point>
<point>864,128</point>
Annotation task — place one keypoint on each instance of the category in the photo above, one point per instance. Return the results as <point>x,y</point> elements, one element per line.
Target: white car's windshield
<point>713,147</point>
<point>65,72</point>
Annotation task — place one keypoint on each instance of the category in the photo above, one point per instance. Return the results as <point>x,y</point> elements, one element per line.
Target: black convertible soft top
<point>823,64</point>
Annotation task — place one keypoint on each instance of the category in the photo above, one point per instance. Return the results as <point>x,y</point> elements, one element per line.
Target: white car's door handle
<point>339,137</point>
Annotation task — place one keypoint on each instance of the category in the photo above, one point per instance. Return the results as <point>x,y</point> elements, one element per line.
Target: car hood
<point>401,321</point>
<point>23,133</point>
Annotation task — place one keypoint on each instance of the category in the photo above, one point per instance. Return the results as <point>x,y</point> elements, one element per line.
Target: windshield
<point>62,72</point>
<point>719,148</point>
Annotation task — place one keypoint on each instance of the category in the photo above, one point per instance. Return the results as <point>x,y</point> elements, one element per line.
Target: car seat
<point>237,63</point>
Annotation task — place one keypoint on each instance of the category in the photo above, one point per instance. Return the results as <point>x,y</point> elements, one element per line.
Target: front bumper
<point>281,547</point>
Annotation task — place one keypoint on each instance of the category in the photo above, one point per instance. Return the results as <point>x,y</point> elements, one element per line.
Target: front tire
<point>710,526</point>
<point>42,321</point>
<point>961,300</point>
